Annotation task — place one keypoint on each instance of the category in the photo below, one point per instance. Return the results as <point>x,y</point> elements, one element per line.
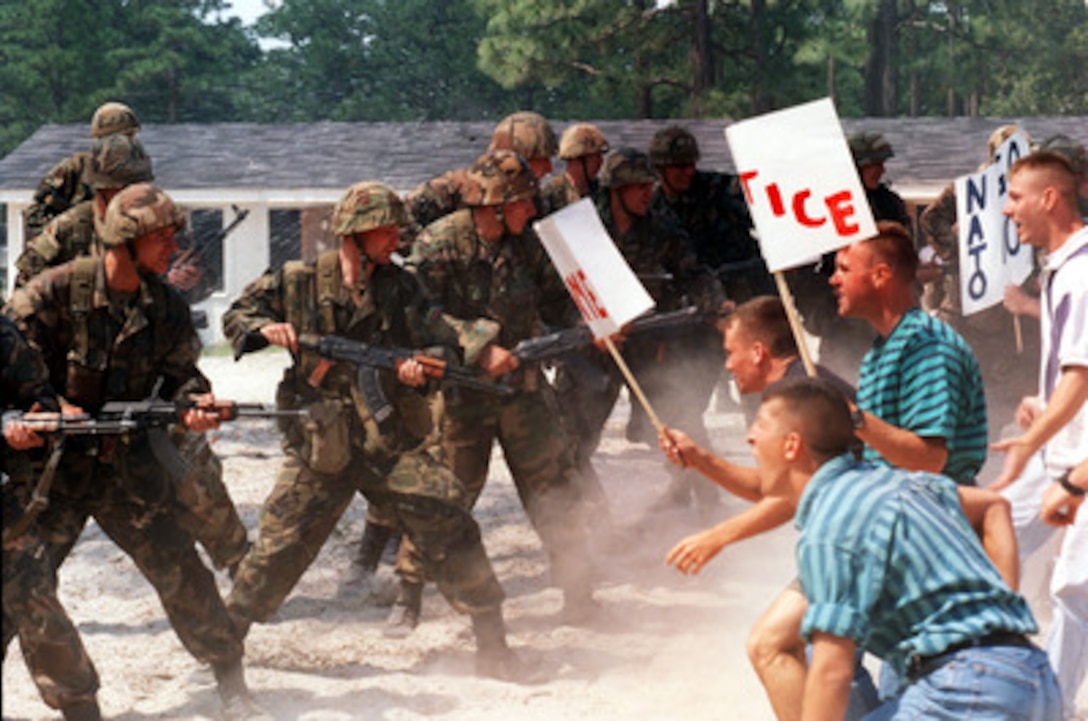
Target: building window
<point>205,229</point>
<point>284,236</point>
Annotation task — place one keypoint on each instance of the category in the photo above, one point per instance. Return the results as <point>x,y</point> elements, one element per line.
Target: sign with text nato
<point>800,183</point>
<point>991,256</point>
<point>603,286</point>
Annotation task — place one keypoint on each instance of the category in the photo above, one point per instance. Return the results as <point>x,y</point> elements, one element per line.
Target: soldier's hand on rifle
<point>497,361</point>
<point>281,334</point>
<point>410,373</point>
<point>184,274</point>
<point>202,416</point>
<point>19,437</point>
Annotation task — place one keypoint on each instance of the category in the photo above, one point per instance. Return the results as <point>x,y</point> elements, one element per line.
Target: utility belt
<point>919,666</point>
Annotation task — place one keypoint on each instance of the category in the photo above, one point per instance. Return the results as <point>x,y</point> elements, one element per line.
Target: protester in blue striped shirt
<point>889,564</point>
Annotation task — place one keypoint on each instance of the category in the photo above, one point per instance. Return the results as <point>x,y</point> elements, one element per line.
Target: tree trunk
<point>760,102</point>
<point>702,55</point>
<point>882,65</point>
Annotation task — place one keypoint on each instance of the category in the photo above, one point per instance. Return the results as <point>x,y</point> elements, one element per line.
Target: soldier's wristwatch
<point>1072,490</point>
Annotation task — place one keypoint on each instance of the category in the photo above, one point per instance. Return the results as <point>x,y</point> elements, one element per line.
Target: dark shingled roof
<point>326,155</point>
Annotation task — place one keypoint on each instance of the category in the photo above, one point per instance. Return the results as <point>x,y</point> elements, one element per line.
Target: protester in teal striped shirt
<point>921,402</point>
<point>889,564</point>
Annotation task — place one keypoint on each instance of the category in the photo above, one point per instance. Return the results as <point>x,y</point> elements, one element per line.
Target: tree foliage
<point>187,61</point>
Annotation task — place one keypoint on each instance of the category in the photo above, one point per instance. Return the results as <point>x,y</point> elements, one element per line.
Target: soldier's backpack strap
<point>328,289</point>
<point>298,295</point>
<point>81,297</point>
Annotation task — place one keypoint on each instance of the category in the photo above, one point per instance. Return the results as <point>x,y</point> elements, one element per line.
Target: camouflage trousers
<point>538,453</point>
<point>132,499</point>
<point>206,509</point>
<point>420,494</point>
<point>52,648</point>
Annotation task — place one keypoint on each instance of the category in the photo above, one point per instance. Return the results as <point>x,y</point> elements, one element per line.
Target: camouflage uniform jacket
<point>660,253</point>
<point>63,187</point>
<point>100,349</point>
<point>436,197</point>
<point>559,192</point>
<point>887,205</point>
<point>939,224</point>
<point>715,216</point>
<point>511,281</point>
<point>388,309</point>
<point>72,234</point>
<point>24,379</point>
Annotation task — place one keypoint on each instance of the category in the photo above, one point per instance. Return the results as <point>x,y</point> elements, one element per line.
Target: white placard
<point>605,289</point>
<point>991,256</point>
<point>801,184</point>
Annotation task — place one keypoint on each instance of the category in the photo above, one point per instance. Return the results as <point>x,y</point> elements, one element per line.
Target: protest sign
<point>605,289</point>
<point>991,256</point>
<point>800,182</point>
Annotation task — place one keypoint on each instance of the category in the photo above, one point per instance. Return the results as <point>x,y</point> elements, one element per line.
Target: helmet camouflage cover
<point>870,148</point>
<point>497,177</point>
<point>113,118</point>
<point>581,139</point>
<point>1068,148</point>
<point>626,166</point>
<point>138,210</point>
<point>366,206</point>
<point>526,133</point>
<point>674,146</point>
<point>117,161</point>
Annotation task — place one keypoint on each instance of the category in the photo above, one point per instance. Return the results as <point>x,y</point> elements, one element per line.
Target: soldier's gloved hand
<point>497,361</point>
<point>281,334</point>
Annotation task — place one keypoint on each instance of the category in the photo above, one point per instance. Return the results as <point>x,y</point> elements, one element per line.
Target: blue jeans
<point>994,683</point>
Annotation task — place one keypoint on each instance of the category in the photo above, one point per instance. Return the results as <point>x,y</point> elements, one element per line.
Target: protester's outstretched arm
<point>741,481</point>
<point>1069,396</point>
<point>901,447</point>
<point>990,514</point>
<point>692,553</point>
<point>827,685</point>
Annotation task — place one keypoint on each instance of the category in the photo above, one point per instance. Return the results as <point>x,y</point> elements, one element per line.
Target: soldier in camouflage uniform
<point>355,292</point>
<point>110,330</point>
<point>659,251</point>
<point>525,133</point>
<point>207,511</point>
<point>68,184</point>
<point>54,653</point>
<point>582,147</point>
<point>482,263</point>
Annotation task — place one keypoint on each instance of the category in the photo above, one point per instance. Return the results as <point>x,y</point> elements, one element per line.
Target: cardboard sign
<point>801,184</point>
<point>605,289</point>
<point>991,256</point>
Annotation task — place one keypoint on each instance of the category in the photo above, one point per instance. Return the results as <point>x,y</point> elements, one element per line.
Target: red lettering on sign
<point>744,178</point>
<point>840,205</point>
<point>801,214</point>
<point>584,298</point>
<point>842,209</point>
<point>775,196</point>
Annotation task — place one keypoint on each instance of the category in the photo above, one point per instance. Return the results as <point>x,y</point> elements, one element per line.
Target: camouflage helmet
<point>1069,149</point>
<point>526,133</point>
<point>117,161</point>
<point>869,148</point>
<point>113,118</point>
<point>138,210</point>
<point>366,206</point>
<point>674,146</point>
<point>498,177</point>
<point>581,139</point>
<point>998,137</point>
<point>626,166</point>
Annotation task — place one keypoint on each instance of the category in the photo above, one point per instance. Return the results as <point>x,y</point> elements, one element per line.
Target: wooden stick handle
<point>633,384</point>
<point>795,323</point>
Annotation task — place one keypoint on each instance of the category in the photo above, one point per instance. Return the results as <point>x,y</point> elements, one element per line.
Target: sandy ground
<point>663,647</point>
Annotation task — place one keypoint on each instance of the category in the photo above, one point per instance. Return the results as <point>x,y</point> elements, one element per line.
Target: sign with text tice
<point>603,286</point>
<point>991,256</point>
<point>800,183</point>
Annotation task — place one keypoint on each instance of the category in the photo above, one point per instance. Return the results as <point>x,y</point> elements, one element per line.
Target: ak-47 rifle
<point>196,249</point>
<point>369,359</point>
<point>119,418</point>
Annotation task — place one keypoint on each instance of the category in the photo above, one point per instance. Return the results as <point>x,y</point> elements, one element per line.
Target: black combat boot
<point>238,705</point>
<point>404,617</point>
<point>494,659</point>
<point>82,711</point>
<point>372,546</point>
